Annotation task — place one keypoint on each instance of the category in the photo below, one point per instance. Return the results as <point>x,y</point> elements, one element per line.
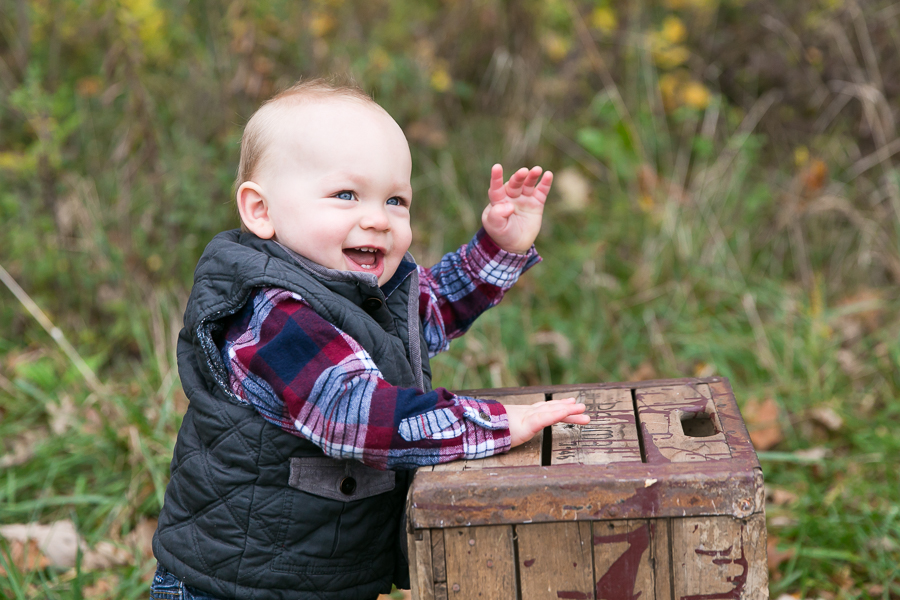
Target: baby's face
<point>336,183</point>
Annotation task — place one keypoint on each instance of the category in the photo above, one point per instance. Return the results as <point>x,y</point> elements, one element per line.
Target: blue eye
<point>395,201</point>
<point>344,195</point>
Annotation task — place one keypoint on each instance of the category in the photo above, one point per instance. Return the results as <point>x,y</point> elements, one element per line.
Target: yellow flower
<point>673,30</point>
<point>556,46</point>
<point>695,95</point>
<point>440,80</point>
<point>801,155</point>
<point>669,85</point>
<point>604,19</point>
<point>670,57</point>
<point>321,24</point>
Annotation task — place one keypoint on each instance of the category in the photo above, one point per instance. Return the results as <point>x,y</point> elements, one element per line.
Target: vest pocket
<point>333,521</point>
<point>344,480</point>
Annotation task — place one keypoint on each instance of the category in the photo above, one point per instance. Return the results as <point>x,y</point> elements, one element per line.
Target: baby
<point>305,358</point>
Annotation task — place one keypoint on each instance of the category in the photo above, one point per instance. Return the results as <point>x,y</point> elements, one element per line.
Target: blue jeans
<point>166,586</point>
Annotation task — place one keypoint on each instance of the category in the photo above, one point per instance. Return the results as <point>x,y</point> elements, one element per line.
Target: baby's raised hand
<point>527,420</point>
<point>513,218</point>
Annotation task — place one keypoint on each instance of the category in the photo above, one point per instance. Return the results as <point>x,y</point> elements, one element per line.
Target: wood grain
<point>526,454</point>
<point>661,411</point>
<point>661,557</point>
<point>555,560</point>
<point>610,437</point>
<point>622,560</point>
<point>421,565</point>
<point>719,557</point>
<point>480,563</point>
<point>438,565</point>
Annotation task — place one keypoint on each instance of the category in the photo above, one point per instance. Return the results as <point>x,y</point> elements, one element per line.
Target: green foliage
<point>734,224</point>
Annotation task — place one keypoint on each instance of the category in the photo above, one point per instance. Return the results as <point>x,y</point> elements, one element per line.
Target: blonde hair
<point>264,122</point>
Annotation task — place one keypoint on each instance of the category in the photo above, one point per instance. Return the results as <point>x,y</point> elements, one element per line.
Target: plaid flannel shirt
<point>311,379</point>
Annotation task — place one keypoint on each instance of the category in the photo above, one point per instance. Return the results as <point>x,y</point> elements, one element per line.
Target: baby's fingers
<point>496,177</point>
<point>516,183</point>
<point>543,188</point>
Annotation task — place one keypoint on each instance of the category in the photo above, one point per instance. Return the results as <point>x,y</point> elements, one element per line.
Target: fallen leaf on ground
<point>25,556</point>
<point>762,423</point>
<point>141,538</point>
<point>59,543</point>
<point>22,448</point>
<point>780,497</point>
<point>827,417</point>
<point>574,189</point>
<point>774,556</point>
<point>644,372</point>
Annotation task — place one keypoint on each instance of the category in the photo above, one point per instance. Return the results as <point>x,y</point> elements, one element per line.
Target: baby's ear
<point>254,210</point>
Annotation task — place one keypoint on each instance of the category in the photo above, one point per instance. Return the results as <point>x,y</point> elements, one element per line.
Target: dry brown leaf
<point>871,309</point>
<point>26,556</point>
<point>560,343</point>
<point>827,417</point>
<point>762,423</point>
<point>105,555</point>
<point>141,538</point>
<point>774,556</point>
<point>59,543</point>
<point>102,589</point>
<point>644,372</point>
<point>22,448</point>
<point>62,414</point>
<point>427,133</point>
<point>573,188</point>
<point>780,497</point>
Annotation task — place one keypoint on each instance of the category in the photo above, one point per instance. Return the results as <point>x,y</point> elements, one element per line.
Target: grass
<point>754,237</point>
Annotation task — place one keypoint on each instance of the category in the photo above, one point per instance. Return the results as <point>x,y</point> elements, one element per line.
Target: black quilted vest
<point>251,511</point>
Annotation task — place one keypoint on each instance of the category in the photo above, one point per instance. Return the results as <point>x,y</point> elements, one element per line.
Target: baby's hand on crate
<point>513,217</point>
<point>526,420</point>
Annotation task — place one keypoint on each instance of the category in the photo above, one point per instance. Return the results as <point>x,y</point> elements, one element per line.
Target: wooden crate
<point>660,497</point>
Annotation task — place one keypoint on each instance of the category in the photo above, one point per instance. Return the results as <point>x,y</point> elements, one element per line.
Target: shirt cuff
<point>489,414</point>
<point>494,264</point>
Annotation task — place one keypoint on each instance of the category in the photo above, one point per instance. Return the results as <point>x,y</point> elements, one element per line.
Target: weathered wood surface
<point>555,560</point>
<point>662,411</point>
<point>610,437</point>
<point>687,524</point>
<point>622,559</point>
<point>421,565</point>
<point>439,564</point>
<point>661,547</point>
<point>480,563</point>
<point>719,558</point>
<point>527,454</point>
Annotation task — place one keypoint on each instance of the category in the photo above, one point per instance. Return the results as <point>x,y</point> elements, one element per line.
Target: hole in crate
<point>698,425</point>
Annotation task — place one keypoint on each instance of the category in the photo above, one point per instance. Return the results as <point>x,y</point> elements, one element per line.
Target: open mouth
<point>368,260</point>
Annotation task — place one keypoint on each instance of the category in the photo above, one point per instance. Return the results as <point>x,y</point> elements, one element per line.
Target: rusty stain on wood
<point>622,560</point>
<point>655,529</point>
<point>715,558</point>
<point>662,412</point>
<point>610,437</point>
<point>554,559</point>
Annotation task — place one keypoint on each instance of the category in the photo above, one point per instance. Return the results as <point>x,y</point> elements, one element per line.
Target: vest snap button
<point>348,486</point>
<point>372,303</point>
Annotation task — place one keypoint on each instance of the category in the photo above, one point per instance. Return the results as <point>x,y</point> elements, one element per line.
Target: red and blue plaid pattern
<point>311,379</point>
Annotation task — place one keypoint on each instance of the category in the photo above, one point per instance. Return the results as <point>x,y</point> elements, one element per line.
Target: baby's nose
<point>375,218</point>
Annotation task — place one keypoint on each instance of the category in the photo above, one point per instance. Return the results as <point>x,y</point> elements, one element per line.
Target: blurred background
<point>726,202</point>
